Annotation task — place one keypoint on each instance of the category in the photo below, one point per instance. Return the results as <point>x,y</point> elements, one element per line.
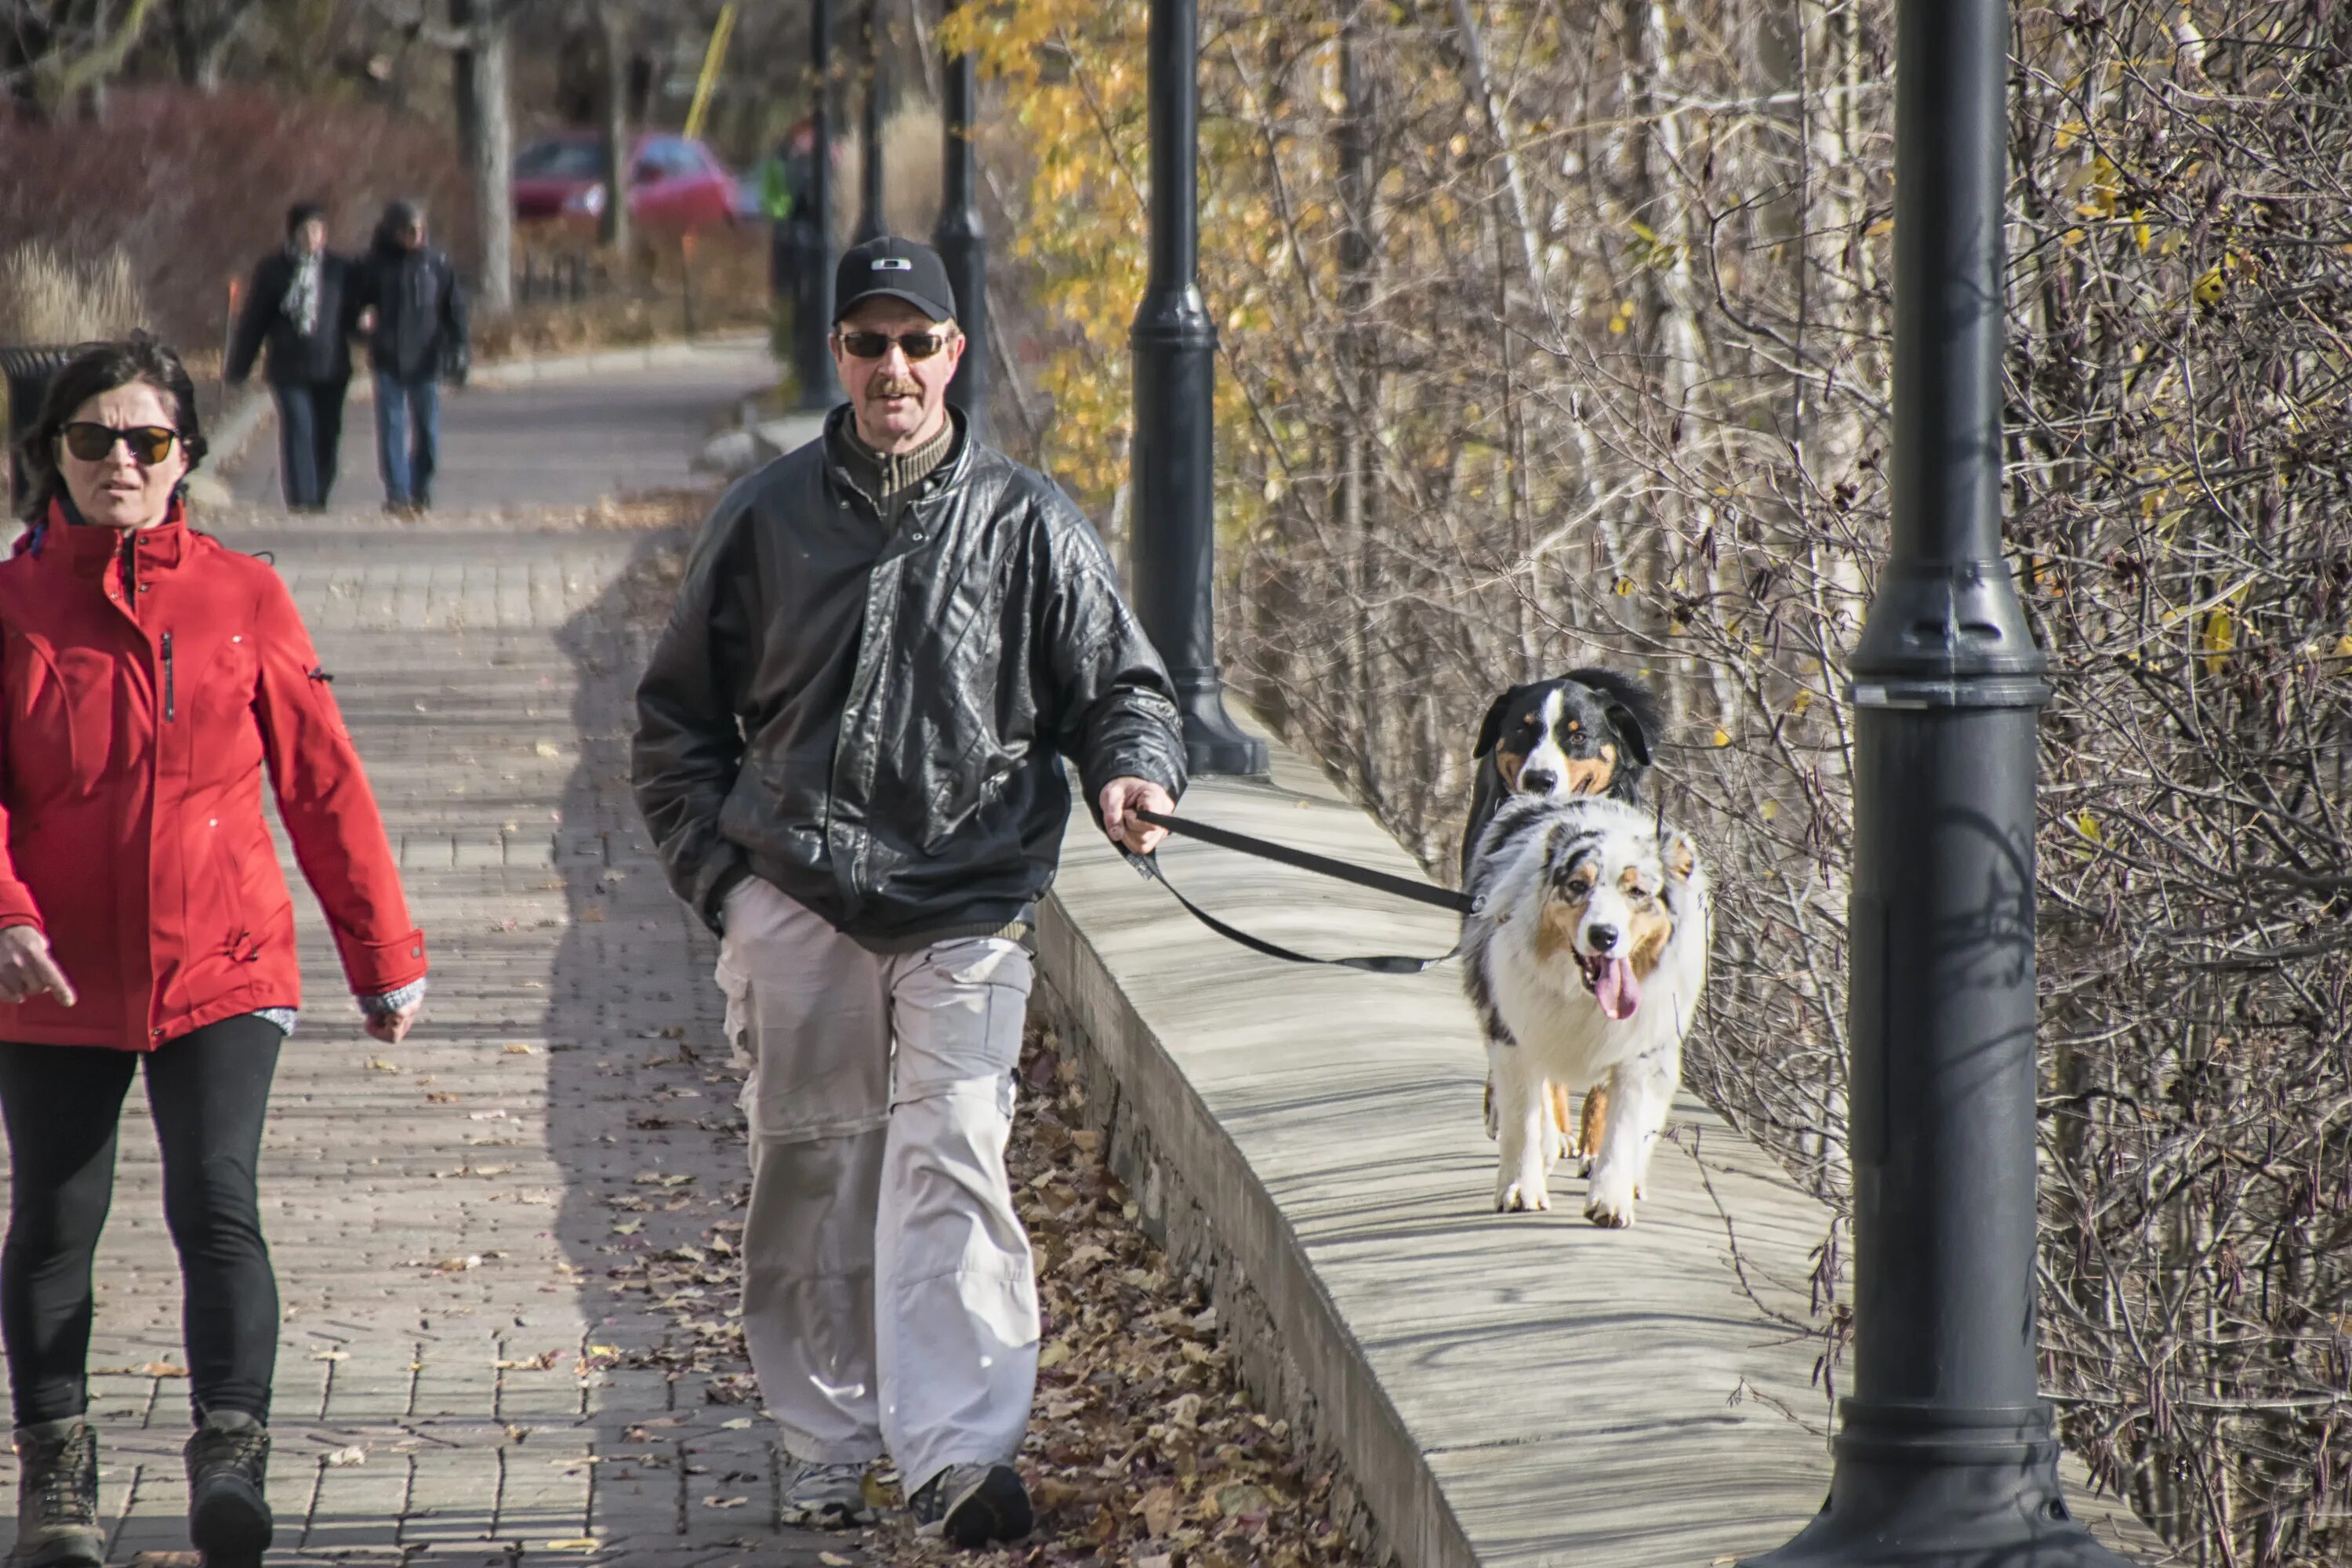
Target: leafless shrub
<point>1565,337</point>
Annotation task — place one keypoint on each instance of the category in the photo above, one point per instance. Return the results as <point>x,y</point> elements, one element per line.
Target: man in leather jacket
<point>849,749</point>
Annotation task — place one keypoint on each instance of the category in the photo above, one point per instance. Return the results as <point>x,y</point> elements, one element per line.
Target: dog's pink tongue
<point>1619,992</point>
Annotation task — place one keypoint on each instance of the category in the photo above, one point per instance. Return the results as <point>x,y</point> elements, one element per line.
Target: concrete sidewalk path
<point>508,1280</point>
<point>587,427</point>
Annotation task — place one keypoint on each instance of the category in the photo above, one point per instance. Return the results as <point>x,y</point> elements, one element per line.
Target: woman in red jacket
<point>148,677</point>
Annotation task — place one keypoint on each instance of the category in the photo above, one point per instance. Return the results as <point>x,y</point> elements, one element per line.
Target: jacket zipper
<point>170,698</point>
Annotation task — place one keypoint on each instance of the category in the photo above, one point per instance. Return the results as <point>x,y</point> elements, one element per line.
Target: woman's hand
<point>393,1027</point>
<point>27,971</point>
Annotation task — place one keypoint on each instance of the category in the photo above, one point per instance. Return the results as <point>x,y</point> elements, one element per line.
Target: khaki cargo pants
<point>890,1295</point>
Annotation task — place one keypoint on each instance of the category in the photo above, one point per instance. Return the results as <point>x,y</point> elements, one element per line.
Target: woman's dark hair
<point>97,368</point>
<point>302,213</point>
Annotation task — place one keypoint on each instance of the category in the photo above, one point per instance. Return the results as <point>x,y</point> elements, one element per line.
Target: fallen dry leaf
<point>354,1454</point>
<point>716,1501</point>
<point>833,1560</point>
<point>1162,1507</point>
<point>518,1048</point>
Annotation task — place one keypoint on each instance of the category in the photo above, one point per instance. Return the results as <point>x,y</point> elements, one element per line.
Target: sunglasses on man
<point>873,345</point>
<point>91,442</point>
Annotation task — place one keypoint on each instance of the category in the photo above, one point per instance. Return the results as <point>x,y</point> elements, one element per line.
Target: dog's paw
<point>1526,1195</point>
<point>1609,1202</point>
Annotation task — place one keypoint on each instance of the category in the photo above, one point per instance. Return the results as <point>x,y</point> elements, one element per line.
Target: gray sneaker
<point>825,1497</point>
<point>972,1505</point>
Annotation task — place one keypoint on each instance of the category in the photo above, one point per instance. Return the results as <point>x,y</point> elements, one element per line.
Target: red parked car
<point>674,183</point>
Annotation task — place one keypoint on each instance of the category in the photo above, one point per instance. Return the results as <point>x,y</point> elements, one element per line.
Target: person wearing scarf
<point>295,307</point>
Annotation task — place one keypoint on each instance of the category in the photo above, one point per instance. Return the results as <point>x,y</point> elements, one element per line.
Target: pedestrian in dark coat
<point>151,678</point>
<point>413,309</point>
<point>297,307</point>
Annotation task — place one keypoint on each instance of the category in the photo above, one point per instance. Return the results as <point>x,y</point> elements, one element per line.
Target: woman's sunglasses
<point>150,444</point>
<point>873,345</point>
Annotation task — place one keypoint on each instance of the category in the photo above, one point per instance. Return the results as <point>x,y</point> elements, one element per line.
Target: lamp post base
<point>1213,743</point>
<point>1938,1487</point>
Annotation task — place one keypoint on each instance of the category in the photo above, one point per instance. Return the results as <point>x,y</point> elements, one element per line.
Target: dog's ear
<point>1490,733</point>
<point>1681,856</point>
<point>1628,723</point>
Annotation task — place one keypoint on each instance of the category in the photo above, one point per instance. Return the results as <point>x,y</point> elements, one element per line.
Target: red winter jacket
<point>146,678</point>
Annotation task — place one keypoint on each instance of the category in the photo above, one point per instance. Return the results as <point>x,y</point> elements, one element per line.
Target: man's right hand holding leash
<point>26,969</point>
<point>1121,798</point>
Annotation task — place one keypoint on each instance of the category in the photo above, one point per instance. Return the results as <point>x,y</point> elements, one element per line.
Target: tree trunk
<point>486,131</point>
<point>613,225</point>
<point>201,35</point>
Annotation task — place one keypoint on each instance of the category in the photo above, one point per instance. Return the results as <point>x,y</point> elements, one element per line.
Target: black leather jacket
<point>920,789</point>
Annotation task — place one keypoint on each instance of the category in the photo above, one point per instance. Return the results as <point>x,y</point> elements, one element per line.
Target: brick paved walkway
<point>472,1366</point>
<point>559,443</point>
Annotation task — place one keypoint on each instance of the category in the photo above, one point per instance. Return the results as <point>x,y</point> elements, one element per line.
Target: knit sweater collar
<point>888,477</point>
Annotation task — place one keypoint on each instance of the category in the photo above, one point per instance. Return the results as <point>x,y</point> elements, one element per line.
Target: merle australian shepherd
<point>1584,733</point>
<point>1587,947</point>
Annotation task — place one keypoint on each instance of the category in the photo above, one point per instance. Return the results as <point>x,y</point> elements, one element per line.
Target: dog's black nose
<point>1536,781</point>
<point>1602,938</point>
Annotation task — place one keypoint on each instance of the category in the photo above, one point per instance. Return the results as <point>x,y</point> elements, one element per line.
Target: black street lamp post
<point>1175,345</point>
<point>871,224</point>
<point>813,232</point>
<point>962,244</point>
<point>1946,1457</point>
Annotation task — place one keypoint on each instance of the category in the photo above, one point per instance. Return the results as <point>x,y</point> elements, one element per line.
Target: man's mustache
<point>881,387</point>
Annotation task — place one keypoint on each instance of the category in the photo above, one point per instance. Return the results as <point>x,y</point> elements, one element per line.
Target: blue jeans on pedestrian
<point>310,437</point>
<point>407,436</point>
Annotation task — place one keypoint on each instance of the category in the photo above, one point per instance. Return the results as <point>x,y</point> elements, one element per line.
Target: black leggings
<point>208,1093</point>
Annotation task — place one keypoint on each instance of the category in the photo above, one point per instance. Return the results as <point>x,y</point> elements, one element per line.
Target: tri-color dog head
<point>1585,732</point>
<point>1612,901</point>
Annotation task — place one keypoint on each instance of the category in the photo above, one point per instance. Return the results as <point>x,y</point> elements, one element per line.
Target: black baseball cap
<point>894,268</point>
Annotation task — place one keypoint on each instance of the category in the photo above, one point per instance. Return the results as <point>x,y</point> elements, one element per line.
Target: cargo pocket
<point>812,1035</point>
<point>958,1014</point>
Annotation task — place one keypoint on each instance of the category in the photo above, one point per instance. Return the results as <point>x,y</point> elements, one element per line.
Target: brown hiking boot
<point>57,1497</point>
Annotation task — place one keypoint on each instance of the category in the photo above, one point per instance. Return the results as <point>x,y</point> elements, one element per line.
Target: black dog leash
<point>1379,881</point>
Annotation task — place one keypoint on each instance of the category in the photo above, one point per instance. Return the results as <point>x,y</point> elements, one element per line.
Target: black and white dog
<point>1585,955</point>
<point>1586,732</point>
